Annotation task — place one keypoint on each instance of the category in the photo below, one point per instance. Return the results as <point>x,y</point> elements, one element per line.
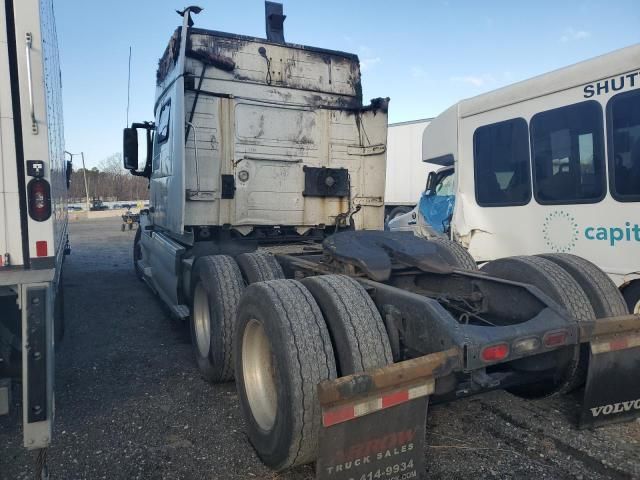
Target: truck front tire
<point>216,289</point>
<point>137,254</point>
<point>282,351</point>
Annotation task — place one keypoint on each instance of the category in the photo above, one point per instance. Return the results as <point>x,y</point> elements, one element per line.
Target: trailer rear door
<point>10,226</point>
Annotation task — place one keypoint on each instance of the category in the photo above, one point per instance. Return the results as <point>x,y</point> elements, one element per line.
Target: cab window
<point>568,154</point>
<point>162,129</point>
<point>444,187</point>
<point>161,134</point>
<point>501,164</point>
<point>623,128</point>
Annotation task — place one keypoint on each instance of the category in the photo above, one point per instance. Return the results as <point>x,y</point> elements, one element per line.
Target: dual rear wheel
<point>288,336</point>
<point>578,286</point>
<point>282,337</point>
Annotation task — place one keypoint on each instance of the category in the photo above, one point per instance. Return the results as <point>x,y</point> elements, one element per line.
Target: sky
<point>425,55</point>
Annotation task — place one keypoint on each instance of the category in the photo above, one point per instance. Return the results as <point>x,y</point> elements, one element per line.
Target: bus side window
<point>501,164</point>
<point>623,129</point>
<point>568,154</point>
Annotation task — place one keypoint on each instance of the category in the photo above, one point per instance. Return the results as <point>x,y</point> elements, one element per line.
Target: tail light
<point>39,196</point>
<point>495,353</point>
<point>556,338</point>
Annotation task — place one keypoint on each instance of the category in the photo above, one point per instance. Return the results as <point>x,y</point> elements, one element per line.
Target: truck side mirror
<point>130,148</point>
<point>68,172</point>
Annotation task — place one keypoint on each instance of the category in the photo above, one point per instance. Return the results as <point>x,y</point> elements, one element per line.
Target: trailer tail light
<point>555,339</point>
<point>495,353</point>
<point>39,196</point>
<point>525,345</point>
<point>41,248</point>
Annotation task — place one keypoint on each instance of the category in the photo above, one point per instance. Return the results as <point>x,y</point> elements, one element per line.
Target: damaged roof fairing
<point>256,60</point>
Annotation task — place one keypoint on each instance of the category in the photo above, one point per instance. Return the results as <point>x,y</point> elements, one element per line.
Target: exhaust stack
<point>274,20</point>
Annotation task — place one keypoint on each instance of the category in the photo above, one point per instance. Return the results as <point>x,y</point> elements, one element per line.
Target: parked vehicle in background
<point>33,212</point>
<point>551,164</point>
<point>406,172</point>
<point>98,205</point>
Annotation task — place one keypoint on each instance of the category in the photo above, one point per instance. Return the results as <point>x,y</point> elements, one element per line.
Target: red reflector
<point>619,344</point>
<point>338,416</point>
<point>395,398</point>
<point>555,339</point>
<point>495,352</point>
<point>41,248</point>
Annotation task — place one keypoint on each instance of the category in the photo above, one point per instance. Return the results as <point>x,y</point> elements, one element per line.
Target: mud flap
<point>379,437</point>
<point>612,392</point>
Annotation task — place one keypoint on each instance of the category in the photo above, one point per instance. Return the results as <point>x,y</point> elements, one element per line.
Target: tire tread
<point>459,254</point>
<point>363,326</point>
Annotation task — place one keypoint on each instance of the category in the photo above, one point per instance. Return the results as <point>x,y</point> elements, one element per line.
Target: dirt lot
<point>131,404</point>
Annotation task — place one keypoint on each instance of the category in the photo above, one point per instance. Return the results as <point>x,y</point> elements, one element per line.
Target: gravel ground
<point>131,404</point>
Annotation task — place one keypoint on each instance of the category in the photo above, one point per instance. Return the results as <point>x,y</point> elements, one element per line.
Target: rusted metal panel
<point>608,326</point>
<point>358,385</point>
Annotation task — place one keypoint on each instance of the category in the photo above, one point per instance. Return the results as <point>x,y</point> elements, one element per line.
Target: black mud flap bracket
<point>37,361</point>
<point>612,392</point>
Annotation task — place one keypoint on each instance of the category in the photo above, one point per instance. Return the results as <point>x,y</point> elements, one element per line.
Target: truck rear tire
<point>631,295</point>
<point>259,267</point>
<point>216,289</point>
<point>282,351</point>
<point>561,287</point>
<point>606,299</point>
<point>454,253</point>
<point>358,334</point>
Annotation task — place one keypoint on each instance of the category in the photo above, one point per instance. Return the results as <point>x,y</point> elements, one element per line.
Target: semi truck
<point>557,155</point>
<point>34,177</point>
<point>265,233</point>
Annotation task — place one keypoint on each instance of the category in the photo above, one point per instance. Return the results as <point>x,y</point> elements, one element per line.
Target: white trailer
<point>547,165</point>
<point>406,172</point>
<point>33,212</point>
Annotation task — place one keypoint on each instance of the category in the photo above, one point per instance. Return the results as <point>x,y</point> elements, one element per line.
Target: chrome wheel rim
<point>202,320</point>
<point>636,309</point>
<point>258,373</point>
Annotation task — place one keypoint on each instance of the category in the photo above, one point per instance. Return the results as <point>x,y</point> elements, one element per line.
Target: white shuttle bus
<point>34,177</point>
<point>550,164</point>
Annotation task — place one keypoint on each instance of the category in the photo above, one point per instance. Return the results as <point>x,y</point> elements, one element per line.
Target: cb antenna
<point>128,86</point>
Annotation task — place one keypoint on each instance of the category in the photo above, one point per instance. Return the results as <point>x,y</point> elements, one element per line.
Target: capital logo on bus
<point>560,231</point>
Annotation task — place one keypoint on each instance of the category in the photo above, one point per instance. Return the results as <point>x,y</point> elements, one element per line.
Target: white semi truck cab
<point>254,141</point>
<point>34,178</point>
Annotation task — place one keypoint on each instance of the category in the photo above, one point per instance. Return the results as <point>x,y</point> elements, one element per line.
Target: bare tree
<point>110,181</point>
